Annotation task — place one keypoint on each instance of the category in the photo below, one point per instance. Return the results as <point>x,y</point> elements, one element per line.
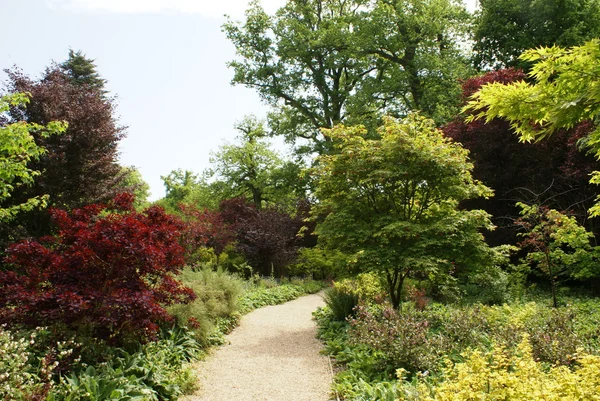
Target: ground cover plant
<point>428,354</point>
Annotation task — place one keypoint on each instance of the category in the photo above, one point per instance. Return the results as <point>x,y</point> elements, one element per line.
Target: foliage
<point>564,93</point>
<point>110,273</point>
<point>257,297</point>
<point>319,263</point>
<point>251,169</point>
<point>506,28</point>
<point>558,247</point>
<point>82,71</point>
<point>392,203</point>
<point>134,183</point>
<point>157,371</point>
<point>23,376</point>
<point>217,295</point>
<point>267,237</point>
<point>379,342</point>
<point>554,172</point>
<point>496,375</point>
<point>80,166</point>
<point>321,63</point>
<point>367,286</point>
<point>341,302</point>
<point>17,150</point>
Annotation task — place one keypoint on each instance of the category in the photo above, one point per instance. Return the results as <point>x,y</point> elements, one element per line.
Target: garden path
<point>273,355</point>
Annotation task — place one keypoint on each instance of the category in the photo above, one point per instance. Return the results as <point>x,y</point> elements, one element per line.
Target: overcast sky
<point>163,59</point>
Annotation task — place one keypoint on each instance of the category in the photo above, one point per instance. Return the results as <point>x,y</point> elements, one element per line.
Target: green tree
<point>319,63</point>
<point>558,246</point>
<point>506,28</point>
<point>17,149</point>
<point>393,202</point>
<point>251,169</point>
<point>82,71</point>
<point>565,91</point>
<point>134,183</point>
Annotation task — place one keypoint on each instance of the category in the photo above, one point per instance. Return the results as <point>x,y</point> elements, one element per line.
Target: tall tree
<point>251,169</point>
<point>393,202</point>
<point>554,173</point>
<point>324,62</point>
<point>506,28</point>
<point>80,167</point>
<point>565,91</point>
<point>17,150</point>
<point>82,71</point>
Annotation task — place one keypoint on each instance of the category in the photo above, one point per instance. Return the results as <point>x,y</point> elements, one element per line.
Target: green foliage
<point>392,203</point>
<point>214,308</point>
<point>321,63</point>
<point>320,263</point>
<point>134,183</point>
<point>565,91</point>
<point>157,371</point>
<point>341,302</point>
<point>558,247</point>
<point>252,170</point>
<point>82,71</point>
<point>420,346</point>
<point>506,28</point>
<point>17,149</point>
<point>259,296</point>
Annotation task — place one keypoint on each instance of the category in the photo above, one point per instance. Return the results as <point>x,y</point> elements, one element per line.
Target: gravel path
<point>272,355</point>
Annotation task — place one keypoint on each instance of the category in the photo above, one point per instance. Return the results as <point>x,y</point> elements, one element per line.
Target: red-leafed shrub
<point>109,273</point>
<point>268,238</point>
<point>203,228</point>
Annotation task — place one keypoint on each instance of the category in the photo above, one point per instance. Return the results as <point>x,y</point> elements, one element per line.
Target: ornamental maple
<point>109,270</point>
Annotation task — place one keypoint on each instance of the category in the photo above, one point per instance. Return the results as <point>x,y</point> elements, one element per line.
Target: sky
<point>164,60</point>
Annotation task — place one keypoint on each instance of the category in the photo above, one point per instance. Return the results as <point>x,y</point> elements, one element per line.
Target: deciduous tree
<point>17,150</point>
<point>324,62</point>
<point>565,92</point>
<point>393,202</point>
<point>554,173</point>
<point>506,28</point>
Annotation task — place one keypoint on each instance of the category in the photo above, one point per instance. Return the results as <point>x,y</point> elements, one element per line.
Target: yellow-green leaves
<point>17,149</point>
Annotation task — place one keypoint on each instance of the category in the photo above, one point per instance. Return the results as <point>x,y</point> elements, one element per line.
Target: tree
<point>109,273</point>
<point>393,202</point>
<point>554,173</point>
<point>565,92</point>
<point>134,183</point>
<point>79,167</point>
<point>268,238</point>
<point>82,71</point>
<point>506,28</point>
<point>17,150</point>
<point>319,63</point>
<point>559,247</point>
<point>251,169</point>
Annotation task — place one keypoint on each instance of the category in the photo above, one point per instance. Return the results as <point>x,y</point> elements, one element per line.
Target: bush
<point>217,301</point>
<point>109,274</point>
<point>341,303</point>
<point>499,376</point>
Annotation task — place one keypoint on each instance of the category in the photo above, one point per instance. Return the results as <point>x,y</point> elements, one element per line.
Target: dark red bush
<point>109,270</point>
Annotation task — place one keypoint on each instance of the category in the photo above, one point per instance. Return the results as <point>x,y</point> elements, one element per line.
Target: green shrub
<point>340,302</point>
<point>217,301</point>
<point>320,263</point>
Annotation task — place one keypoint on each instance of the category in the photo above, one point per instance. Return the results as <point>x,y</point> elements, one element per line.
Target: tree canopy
<point>319,63</point>
<point>17,150</point>
<point>565,91</point>
<point>393,202</point>
<point>506,28</point>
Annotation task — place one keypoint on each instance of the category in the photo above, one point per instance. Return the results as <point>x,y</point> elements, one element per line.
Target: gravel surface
<point>272,355</point>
